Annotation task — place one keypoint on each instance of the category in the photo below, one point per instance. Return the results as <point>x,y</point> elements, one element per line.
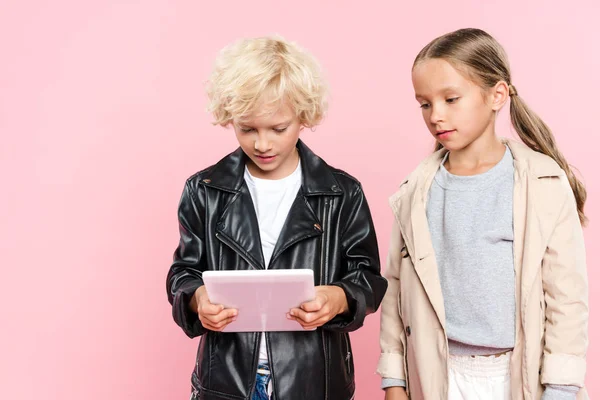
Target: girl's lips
<point>443,134</point>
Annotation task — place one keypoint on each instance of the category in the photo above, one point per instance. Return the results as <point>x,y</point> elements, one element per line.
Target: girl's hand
<point>329,301</point>
<point>396,393</point>
<point>212,316</point>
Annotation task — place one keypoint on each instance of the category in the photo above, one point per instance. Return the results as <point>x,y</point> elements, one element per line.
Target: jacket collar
<point>317,177</point>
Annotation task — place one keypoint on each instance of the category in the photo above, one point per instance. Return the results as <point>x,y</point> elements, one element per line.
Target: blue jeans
<point>262,384</point>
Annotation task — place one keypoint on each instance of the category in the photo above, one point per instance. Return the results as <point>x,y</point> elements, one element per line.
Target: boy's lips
<point>265,158</point>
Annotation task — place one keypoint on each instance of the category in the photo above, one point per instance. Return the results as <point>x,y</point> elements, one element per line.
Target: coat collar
<point>537,164</point>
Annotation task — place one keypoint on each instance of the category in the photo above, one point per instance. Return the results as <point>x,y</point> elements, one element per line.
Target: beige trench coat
<point>551,285</point>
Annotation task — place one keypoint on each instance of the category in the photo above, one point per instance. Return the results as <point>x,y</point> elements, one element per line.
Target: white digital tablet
<point>262,297</point>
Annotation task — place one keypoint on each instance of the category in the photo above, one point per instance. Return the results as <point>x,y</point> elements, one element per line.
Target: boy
<point>274,204</point>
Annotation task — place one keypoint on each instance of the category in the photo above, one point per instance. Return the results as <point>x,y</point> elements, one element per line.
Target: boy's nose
<point>261,144</point>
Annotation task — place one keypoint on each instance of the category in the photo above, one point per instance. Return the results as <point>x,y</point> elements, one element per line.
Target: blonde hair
<point>252,74</point>
<point>477,54</point>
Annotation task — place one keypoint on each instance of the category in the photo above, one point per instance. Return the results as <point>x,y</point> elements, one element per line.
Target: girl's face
<point>456,110</point>
<point>269,140</point>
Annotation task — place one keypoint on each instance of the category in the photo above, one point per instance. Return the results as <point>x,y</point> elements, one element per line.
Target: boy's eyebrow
<point>287,122</point>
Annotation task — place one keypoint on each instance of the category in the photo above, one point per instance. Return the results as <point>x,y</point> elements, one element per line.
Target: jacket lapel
<point>301,224</point>
<point>238,228</point>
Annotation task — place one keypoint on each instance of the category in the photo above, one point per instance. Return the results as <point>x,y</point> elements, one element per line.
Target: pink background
<point>102,119</point>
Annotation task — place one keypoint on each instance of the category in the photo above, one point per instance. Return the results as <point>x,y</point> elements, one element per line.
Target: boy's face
<point>269,140</point>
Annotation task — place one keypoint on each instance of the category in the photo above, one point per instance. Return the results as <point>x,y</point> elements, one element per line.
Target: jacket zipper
<point>348,352</point>
<point>324,275</point>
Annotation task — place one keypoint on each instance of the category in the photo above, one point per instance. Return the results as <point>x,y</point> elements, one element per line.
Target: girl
<point>487,293</point>
<point>273,203</point>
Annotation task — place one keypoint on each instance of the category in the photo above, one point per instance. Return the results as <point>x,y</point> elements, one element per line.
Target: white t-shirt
<point>272,202</point>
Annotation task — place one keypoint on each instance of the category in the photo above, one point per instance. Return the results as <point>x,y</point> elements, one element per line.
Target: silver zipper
<point>348,352</point>
<point>324,274</point>
<point>326,364</point>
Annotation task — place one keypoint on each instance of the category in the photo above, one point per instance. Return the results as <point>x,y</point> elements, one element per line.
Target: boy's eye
<point>246,130</point>
<point>451,100</point>
<point>280,130</point>
<point>425,106</point>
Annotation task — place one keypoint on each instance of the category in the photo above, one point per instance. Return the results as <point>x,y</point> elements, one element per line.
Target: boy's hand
<point>212,316</point>
<point>396,393</point>
<point>329,301</point>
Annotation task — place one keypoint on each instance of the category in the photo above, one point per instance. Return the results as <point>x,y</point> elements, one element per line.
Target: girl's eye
<point>425,106</point>
<point>246,130</point>
<point>280,130</point>
<point>452,100</point>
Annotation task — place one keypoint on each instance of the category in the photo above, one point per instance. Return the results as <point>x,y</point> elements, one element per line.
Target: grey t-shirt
<point>471,224</point>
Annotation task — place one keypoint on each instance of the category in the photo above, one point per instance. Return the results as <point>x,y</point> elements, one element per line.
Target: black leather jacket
<point>329,229</point>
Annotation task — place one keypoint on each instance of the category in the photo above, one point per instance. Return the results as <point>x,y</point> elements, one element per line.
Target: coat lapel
<point>530,216</point>
<point>410,210</point>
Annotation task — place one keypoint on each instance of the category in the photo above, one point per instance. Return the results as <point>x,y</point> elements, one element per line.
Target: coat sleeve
<point>392,339</point>
<point>564,280</point>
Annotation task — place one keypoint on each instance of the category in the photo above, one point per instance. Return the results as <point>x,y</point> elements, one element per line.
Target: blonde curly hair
<point>258,75</point>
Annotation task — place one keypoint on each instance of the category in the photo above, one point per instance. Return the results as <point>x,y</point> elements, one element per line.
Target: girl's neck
<point>478,157</point>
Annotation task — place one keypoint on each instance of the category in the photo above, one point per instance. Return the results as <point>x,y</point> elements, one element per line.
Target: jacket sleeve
<point>362,281</point>
<point>185,274</point>
<point>392,338</point>
<point>564,280</point>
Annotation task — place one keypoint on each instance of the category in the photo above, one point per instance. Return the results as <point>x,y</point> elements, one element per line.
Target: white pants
<point>479,377</point>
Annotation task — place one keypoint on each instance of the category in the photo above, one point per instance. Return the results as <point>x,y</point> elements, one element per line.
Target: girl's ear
<point>500,94</point>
